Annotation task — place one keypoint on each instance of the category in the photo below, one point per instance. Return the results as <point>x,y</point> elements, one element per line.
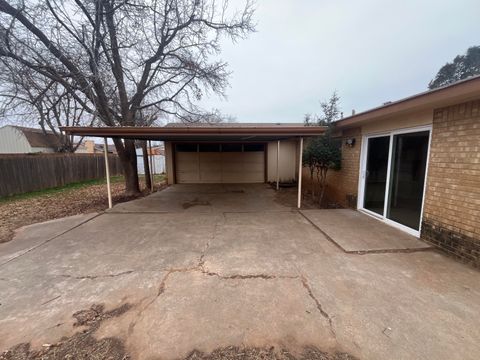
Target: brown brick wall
<point>342,185</point>
<point>451,218</point>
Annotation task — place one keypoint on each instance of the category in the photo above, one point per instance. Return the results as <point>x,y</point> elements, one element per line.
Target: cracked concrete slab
<point>203,304</point>
<point>247,277</point>
<point>359,233</point>
<point>268,243</point>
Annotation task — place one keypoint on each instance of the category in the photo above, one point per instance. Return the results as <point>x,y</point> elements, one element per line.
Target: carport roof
<point>223,132</point>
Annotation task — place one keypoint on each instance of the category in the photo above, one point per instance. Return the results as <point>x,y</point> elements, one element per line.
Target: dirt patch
<point>96,314</point>
<point>92,198</point>
<point>83,345</point>
<point>232,352</point>
<point>288,197</point>
<point>195,202</point>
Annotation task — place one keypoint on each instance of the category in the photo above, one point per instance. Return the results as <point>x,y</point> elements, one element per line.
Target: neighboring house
<point>24,140</point>
<point>90,147</point>
<point>158,155</point>
<point>413,164</point>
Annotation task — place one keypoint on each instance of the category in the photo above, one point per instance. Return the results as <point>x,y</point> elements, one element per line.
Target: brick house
<point>415,164</point>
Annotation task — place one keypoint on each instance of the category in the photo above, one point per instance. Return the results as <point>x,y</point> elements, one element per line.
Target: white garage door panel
<point>220,167</point>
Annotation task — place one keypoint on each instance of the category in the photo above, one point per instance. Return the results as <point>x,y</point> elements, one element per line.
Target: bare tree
<point>125,56</point>
<point>27,97</point>
<point>147,117</point>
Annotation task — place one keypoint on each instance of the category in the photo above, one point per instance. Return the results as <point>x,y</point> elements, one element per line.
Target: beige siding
<point>288,161</point>
<point>404,121</point>
<point>169,162</point>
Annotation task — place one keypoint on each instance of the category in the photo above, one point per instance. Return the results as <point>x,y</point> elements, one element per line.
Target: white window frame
<point>362,172</point>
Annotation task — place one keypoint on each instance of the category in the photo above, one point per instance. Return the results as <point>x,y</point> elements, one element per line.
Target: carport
<point>225,153</point>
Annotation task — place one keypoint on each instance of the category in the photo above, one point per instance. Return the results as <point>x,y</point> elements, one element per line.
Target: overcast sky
<point>370,51</point>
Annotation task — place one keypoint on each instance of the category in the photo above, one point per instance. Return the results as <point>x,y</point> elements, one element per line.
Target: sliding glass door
<point>376,173</point>
<point>394,171</point>
<point>409,160</point>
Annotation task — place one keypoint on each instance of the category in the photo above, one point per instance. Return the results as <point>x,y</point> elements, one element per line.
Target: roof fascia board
<point>460,92</point>
<point>193,131</point>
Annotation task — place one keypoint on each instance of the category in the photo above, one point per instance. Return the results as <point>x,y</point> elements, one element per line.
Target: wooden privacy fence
<point>21,173</point>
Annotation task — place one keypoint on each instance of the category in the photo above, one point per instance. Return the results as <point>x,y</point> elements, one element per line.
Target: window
<point>231,147</point>
<point>217,147</point>
<point>186,147</point>
<point>253,147</point>
<point>209,147</point>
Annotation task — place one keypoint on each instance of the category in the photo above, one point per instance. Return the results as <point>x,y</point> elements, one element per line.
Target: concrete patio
<point>211,266</point>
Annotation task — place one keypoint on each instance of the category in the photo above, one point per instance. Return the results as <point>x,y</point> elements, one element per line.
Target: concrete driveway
<point>206,267</point>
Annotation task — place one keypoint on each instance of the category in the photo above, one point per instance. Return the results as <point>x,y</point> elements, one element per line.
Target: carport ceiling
<point>210,133</point>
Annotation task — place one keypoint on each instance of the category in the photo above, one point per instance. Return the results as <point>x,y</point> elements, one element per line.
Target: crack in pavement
<point>203,270</point>
<point>207,272</point>
<point>53,299</point>
<point>160,291</point>
<point>201,260</point>
<point>92,277</point>
<point>306,285</point>
<point>200,267</point>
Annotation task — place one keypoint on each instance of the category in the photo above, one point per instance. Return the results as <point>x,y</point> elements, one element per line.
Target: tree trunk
<point>319,181</point>
<point>128,158</point>
<point>146,165</point>
<point>312,183</point>
<point>324,184</point>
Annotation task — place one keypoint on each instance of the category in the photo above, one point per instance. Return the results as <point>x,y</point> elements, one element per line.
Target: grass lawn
<point>73,186</point>
<point>72,199</point>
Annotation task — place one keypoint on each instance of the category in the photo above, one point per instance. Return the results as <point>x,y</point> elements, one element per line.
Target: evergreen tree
<point>323,152</point>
